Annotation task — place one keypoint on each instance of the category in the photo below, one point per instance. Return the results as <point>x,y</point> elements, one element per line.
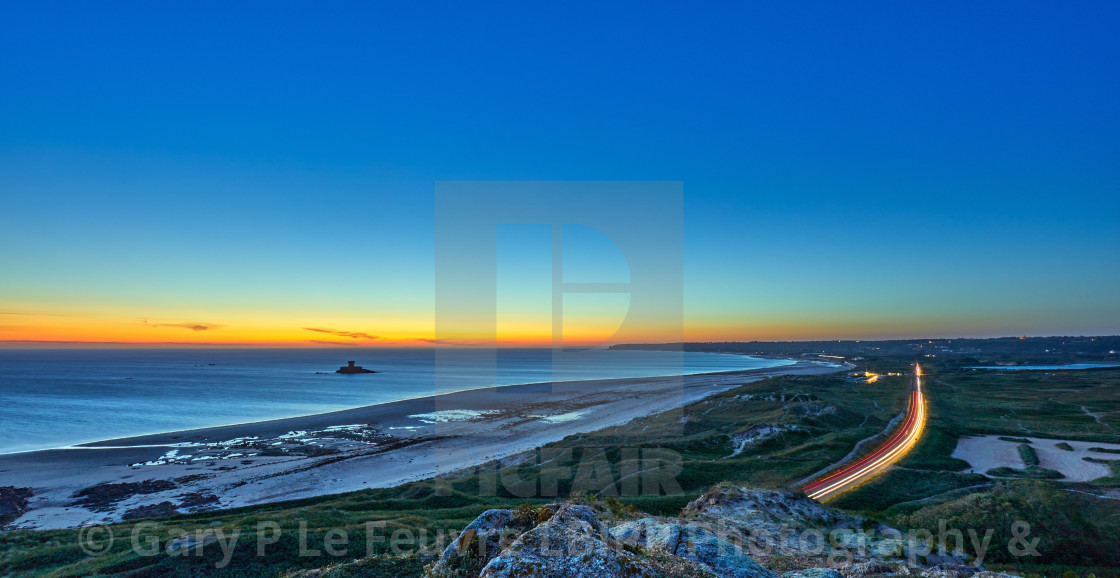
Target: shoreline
<point>331,418</point>
<point>102,441</point>
<point>372,446</point>
<point>174,434</point>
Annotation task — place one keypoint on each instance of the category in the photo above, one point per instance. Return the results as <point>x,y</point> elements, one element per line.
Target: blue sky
<point>871,170</point>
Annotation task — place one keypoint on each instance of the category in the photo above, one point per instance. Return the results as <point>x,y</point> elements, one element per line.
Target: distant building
<point>351,368</point>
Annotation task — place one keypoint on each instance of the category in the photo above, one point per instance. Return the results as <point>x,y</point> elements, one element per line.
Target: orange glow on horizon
<point>37,325</point>
<point>33,329</point>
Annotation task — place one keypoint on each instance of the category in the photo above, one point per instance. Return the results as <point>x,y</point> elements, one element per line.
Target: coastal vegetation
<point>1028,455</point>
<point>773,433</point>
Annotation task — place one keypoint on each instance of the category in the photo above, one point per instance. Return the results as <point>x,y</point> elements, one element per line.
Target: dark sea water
<point>55,398</point>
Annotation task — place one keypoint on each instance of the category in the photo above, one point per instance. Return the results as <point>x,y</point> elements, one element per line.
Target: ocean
<point>61,397</point>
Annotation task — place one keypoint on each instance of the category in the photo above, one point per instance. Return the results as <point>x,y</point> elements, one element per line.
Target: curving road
<point>884,457</point>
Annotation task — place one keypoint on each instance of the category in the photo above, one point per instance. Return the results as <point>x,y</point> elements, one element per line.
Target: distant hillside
<point>1058,348</point>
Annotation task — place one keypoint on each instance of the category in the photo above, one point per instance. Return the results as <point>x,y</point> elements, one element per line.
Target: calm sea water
<point>56,398</point>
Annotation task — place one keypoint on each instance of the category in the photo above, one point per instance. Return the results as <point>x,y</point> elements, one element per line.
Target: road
<point>882,458</point>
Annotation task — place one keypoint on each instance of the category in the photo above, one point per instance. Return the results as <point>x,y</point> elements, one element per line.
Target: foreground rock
<point>729,532</point>
<point>13,503</point>
<point>482,538</point>
<point>814,573</point>
<point>717,552</point>
<point>486,537</point>
<point>783,529</point>
<point>103,497</point>
<point>572,543</point>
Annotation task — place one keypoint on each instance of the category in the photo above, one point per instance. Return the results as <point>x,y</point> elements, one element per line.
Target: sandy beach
<point>984,453</point>
<point>373,446</point>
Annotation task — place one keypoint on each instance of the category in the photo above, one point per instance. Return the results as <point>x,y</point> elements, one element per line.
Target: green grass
<point>912,506</point>
<point>1026,404</point>
<point>58,551</point>
<point>934,452</point>
<point>902,485</point>
<point>1073,529</point>
<point>1030,472</point>
<point>1112,481</point>
<point>1028,455</point>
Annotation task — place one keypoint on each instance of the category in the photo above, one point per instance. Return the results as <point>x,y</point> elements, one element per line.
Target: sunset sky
<point>265,173</point>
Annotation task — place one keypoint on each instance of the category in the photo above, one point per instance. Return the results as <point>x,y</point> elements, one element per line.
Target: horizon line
<point>49,344</point>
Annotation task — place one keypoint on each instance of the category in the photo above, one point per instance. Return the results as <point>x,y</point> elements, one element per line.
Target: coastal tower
<point>351,368</point>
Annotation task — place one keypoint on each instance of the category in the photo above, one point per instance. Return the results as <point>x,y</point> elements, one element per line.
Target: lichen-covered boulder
<point>949,571</point>
<point>726,554</point>
<point>649,533</point>
<point>762,510</point>
<point>572,543</point>
<point>861,569</point>
<point>481,538</point>
<point>722,553</point>
<point>814,573</point>
<point>575,544</point>
<point>480,541</point>
<point>790,525</point>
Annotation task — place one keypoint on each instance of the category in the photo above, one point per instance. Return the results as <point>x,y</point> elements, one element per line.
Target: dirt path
<point>1095,416</point>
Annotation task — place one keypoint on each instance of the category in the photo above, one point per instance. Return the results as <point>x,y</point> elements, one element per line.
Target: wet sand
<point>368,447</point>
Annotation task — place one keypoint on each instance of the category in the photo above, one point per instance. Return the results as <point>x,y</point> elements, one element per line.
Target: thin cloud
<point>55,342</point>
<point>37,314</point>
<point>19,328</point>
<point>446,341</point>
<point>340,343</point>
<point>349,334</point>
<point>191,326</point>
